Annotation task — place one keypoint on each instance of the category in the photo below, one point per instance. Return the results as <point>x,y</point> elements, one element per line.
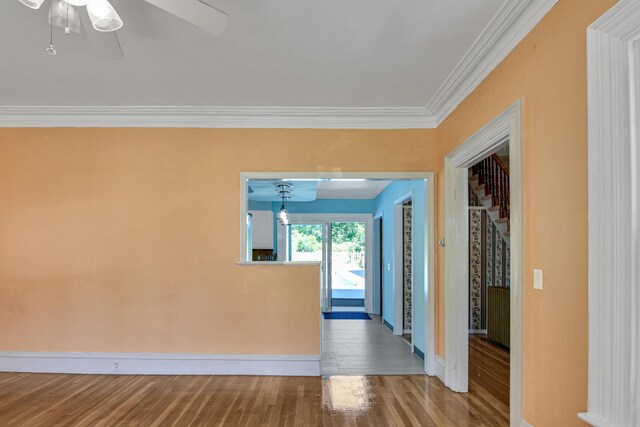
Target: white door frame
<point>429,262</point>
<point>507,127</point>
<point>398,266</point>
<point>327,247</point>
<point>378,267</point>
<point>613,73</point>
<point>326,220</point>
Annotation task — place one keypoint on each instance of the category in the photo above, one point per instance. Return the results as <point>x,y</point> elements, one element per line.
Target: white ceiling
<point>350,189</point>
<point>301,53</point>
<point>261,190</point>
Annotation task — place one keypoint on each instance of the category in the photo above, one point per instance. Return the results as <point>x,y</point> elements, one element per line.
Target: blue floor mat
<point>342,315</point>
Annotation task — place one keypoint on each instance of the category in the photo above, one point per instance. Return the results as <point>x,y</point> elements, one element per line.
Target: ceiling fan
<point>100,20</point>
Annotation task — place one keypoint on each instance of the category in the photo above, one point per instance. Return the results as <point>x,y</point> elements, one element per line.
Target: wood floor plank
<point>489,379</point>
<point>404,400</point>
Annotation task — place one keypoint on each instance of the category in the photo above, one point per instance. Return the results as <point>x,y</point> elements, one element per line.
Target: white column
<point>614,231</point>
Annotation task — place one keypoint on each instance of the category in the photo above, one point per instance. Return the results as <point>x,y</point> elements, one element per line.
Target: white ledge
<point>292,263</point>
<point>595,420</point>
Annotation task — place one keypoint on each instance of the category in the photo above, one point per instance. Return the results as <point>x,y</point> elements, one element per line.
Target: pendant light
<point>64,15</point>
<point>285,193</point>
<point>103,16</point>
<point>282,215</point>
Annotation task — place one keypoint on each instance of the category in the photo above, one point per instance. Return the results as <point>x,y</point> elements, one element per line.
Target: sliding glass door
<point>341,246</point>
<point>347,265</point>
<point>306,242</point>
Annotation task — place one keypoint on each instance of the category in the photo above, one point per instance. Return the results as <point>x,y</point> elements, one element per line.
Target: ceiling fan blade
<point>106,45</point>
<point>195,12</point>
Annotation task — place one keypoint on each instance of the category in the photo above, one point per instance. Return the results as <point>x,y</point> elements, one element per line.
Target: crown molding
<point>511,24</point>
<point>217,117</point>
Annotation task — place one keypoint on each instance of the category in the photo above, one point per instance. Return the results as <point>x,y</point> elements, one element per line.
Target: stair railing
<point>495,177</point>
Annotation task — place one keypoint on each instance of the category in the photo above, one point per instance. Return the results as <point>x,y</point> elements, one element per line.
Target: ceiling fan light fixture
<point>78,2</point>
<point>51,50</point>
<point>103,16</point>
<point>65,16</point>
<point>33,4</point>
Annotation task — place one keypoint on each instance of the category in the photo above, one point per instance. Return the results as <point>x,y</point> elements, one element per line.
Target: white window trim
<point>613,45</point>
<point>429,264</point>
<point>505,127</point>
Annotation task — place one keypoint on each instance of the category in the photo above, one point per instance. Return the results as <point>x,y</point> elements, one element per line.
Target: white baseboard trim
<point>525,424</point>
<point>440,365</point>
<point>477,331</point>
<point>160,364</point>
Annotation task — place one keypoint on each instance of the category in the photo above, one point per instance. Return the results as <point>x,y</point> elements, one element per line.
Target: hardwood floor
<point>101,400</point>
<point>489,375</point>
<point>365,347</point>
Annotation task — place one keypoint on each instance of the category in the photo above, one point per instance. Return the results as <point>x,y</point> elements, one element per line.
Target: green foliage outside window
<point>347,237</point>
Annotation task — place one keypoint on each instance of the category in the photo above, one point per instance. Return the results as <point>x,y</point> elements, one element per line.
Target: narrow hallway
<point>365,347</point>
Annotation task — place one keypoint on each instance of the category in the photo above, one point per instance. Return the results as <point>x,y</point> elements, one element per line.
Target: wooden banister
<point>504,167</point>
<point>495,177</point>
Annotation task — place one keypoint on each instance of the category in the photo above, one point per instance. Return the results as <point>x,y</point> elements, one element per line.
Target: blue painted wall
<point>384,205</point>
<point>259,206</point>
<point>340,206</point>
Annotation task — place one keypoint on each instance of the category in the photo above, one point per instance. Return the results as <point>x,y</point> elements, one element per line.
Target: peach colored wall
<point>547,70</point>
<point>126,240</point>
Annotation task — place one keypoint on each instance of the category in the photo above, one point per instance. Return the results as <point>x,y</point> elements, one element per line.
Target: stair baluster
<point>493,174</point>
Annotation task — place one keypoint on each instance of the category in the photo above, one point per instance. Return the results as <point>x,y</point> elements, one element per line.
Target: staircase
<point>489,182</point>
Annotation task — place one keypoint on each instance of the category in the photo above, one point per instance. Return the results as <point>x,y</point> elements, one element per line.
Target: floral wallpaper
<point>476,284</point>
<point>489,264</point>
<point>489,252</point>
<point>408,270</point>
<point>499,266</point>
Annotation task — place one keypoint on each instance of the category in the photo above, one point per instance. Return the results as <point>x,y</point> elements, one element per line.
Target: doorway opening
<point>404,231</point>
<point>505,129</point>
<point>348,264</point>
<point>330,220</point>
<point>407,271</point>
<point>490,276</point>
<point>378,273</point>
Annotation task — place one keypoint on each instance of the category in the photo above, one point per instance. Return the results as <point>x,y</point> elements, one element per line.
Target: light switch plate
<point>537,279</point>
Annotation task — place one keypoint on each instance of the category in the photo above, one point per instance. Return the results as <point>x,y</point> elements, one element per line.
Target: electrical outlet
<point>537,280</point>
<point>116,366</point>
